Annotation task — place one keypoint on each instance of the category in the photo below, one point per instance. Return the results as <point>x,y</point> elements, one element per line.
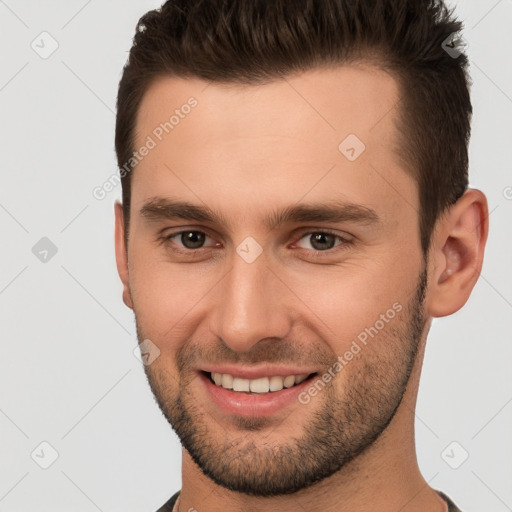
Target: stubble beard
<point>248,459</point>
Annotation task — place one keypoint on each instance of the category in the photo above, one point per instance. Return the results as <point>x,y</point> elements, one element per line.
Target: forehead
<point>322,132</point>
<point>319,102</point>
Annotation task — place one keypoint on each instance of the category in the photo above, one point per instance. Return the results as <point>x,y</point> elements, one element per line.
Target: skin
<point>245,151</point>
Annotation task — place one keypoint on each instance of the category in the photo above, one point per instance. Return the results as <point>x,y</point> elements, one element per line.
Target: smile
<point>260,385</point>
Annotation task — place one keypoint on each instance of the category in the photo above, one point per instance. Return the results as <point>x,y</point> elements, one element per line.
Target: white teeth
<point>227,381</point>
<point>261,385</point>
<point>289,381</point>
<point>300,378</point>
<point>276,383</point>
<point>240,384</point>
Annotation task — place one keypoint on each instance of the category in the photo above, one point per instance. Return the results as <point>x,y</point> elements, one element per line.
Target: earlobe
<point>122,254</point>
<point>457,251</point>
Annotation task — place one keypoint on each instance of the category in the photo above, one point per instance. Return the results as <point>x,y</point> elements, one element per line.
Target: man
<point>295,212</point>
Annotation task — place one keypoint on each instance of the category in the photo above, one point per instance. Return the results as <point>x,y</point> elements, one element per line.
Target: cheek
<point>348,302</point>
<point>163,294</point>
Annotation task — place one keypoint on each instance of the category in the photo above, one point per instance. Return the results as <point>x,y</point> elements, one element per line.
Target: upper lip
<point>256,372</point>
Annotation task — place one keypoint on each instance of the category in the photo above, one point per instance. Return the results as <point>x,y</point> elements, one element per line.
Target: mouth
<point>260,386</point>
<point>254,391</point>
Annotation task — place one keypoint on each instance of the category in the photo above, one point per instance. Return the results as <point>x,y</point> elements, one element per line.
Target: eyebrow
<point>163,208</point>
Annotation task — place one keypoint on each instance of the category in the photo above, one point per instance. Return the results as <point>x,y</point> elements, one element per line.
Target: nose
<point>252,303</point>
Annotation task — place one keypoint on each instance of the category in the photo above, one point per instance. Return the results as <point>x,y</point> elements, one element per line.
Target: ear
<point>122,254</point>
<point>456,253</point>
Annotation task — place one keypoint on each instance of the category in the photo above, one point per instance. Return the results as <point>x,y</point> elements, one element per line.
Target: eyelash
<point>345,242</point>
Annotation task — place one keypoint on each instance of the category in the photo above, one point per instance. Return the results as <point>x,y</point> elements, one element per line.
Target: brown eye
<point>192,239</point>
<point>321,241</point>
<point>188,240</point>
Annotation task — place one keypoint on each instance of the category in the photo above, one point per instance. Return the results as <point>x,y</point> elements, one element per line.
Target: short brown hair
<point>256,41</point>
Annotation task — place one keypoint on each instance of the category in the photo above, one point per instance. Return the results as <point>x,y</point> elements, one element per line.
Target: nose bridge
<point>251,304</point>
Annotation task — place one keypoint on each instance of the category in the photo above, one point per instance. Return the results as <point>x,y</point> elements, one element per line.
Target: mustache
<point>268,350</point>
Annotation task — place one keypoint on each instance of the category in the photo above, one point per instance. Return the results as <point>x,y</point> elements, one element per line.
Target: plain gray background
<point>68,374</point>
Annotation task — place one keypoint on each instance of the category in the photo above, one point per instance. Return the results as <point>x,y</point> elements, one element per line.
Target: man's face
<point>241,294</point>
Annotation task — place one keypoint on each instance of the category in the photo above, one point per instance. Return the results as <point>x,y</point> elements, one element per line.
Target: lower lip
<point>254,404</point>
